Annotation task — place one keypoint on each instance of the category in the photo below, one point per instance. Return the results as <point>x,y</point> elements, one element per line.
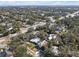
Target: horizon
<point>39,3</point>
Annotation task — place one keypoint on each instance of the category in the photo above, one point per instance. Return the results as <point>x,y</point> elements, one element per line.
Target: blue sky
<point>16,3</point>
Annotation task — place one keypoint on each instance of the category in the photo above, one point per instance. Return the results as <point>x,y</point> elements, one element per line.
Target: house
<point>9,25</point>
<point>51,24</point>
<point>34,27</point>
<point>35,40</point>
<point>44,43</point>
<point>52,36</point>
<point>64,29</point>
<point>52,19</point>
<point>58,29</point>
<point>61,18</point>
<point>40,44</point>
<point>10,29</point>
<point>27,19</point>
<point>55,50</point>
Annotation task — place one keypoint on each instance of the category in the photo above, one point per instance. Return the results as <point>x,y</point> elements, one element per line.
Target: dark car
<point>3,54</point>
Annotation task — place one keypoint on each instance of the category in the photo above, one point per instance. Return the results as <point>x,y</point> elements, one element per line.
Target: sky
<point>17,3</point>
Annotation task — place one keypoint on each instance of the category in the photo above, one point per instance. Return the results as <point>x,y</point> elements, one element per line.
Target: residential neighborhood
<point>39,31</point>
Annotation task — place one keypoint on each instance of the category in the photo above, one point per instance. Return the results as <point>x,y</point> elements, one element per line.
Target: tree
<point>42,34</point>
<point>48,53</point>
<point>16,27</point>
<point>21,51</point>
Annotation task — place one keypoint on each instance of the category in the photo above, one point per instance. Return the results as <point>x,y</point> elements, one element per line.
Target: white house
<point>35,40</point>
<point>52,36</point>
<point>10,28</point>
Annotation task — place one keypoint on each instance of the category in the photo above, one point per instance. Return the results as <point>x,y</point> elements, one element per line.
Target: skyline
<point>20,3</point>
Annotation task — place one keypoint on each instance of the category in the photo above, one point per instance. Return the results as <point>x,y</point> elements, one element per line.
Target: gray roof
<point>35,40</point>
